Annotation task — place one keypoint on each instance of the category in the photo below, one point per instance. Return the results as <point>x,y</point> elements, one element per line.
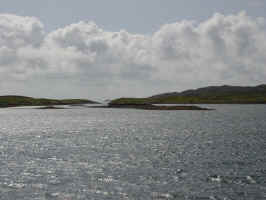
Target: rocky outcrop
<point>151,107</point>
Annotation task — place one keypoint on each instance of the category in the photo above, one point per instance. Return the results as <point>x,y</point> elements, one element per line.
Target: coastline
<point>152,107</point>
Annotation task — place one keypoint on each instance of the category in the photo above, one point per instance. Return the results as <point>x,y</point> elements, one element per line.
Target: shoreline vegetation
<point>207,95</point>
<point>16,101</point>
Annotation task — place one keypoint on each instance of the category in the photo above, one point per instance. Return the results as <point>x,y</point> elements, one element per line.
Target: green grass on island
<point>207,95</point>
<point>12,101</point>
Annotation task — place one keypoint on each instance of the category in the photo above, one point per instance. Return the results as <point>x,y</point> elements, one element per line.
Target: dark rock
<point>151,107</point>
<point>50,107</point>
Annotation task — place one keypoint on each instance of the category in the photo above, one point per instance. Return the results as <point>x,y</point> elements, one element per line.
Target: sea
<point>82,153</point>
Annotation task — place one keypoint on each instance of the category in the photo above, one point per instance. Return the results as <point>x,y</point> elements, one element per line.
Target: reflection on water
<point>85,153</point>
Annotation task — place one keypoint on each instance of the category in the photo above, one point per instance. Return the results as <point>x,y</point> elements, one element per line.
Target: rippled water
<point>86,153</point>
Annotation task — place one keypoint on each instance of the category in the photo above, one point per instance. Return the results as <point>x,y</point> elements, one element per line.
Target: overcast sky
<point>106,49</point>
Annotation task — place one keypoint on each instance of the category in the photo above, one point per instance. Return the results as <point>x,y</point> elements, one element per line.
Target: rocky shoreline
<point>151,107</point>
<point>50,107</point>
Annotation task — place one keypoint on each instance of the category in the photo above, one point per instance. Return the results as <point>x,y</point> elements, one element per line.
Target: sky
<point>109,49</point>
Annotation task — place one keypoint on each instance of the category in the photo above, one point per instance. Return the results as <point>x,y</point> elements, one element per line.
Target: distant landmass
<point>208,95</point>
<point>12,101</point>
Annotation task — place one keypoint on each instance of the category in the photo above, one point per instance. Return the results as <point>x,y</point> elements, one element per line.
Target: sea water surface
<point>94,153</point>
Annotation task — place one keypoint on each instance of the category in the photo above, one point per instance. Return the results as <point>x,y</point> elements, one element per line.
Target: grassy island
<point>12,101</point>
<point>208,95</point>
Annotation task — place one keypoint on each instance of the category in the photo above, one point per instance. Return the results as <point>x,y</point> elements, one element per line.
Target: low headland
<point>208,95</point>
<point>15,101</point>
<point>143,106</point>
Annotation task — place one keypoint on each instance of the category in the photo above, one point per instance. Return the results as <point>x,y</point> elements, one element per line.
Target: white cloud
<point>84,60</point>
<point>16,31</point>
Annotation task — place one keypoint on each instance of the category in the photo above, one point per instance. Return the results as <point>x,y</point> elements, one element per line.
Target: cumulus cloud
<point>85,60</point>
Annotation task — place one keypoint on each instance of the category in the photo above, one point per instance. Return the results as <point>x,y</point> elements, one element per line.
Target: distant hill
<point>208,95</point>
<point>11,101</point>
